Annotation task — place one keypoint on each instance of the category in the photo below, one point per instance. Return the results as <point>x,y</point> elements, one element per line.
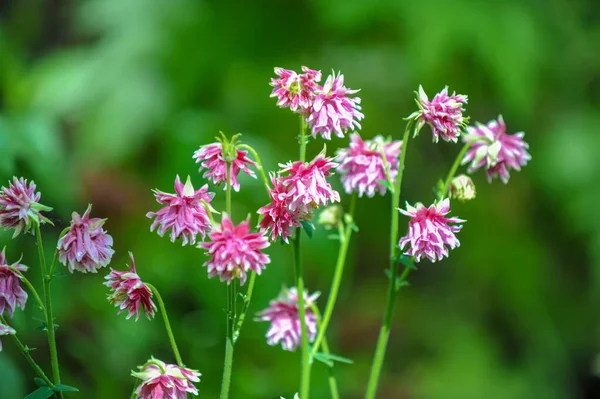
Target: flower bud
<point>330,217</point>
<point>462,188</point>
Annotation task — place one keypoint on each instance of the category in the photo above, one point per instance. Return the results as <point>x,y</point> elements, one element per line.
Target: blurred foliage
<point>102,100</point>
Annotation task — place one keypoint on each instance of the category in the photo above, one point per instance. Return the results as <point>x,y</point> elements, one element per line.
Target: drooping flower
<point>361,165</point>
<point>165,381</point>
<point>333,110</point>
<point>19,206</point>
<point>444,114</point>
<point>5,330</point>
<point>129,292</point>
<point>430,231</point>
<point>293,90</point>
<point>495,150</point>
<point>462,188</point>
<point>212,159</point>
<point>85,247</point>
<point>184,213</point>
<point>11,293</point>
<point>283,314</point>
<point>234,251</point>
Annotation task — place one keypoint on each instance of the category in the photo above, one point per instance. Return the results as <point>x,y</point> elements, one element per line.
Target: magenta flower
<point>85,247</point>
<point>293,90</point>
<point>283,314</point>
<point>444,114</point>
<point>361,165</point>
<point>19,207</point>
<point>5,330</point>
<point>184,212</point>
<point>495,150</point>
<point>212,159</point>
<point>333,110</point>
<point>129,292</point>
<point>165,381</point>
<point>430,231</point>
<point>234,251</point>
<point>11,293</point>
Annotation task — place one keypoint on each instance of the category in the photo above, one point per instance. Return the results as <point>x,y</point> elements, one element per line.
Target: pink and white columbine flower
<point>430,231</point>
<point>184,213</point>
<point>19,206</point>
<point>283,314</point>
<point>11,293</point>
<point>165,381</point>
<point>495,150</point>
<point>234,251</point>
<point>361,165</point>
<point>333,110</point>
<point>212,159</point>
<point>444,114</point>
<point>129,292</point>
<point>5,330</point>
<point>295,90</point>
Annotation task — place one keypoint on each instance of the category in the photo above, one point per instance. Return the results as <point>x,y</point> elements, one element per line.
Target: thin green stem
<point>454,168</point>
<point>163,311</point>
<point>31,288</point>
<point>53,265</point>
<point>333,388</point>
<point>247,299</point>
<point>261,169</point>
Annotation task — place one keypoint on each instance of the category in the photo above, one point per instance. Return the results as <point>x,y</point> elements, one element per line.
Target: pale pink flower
<point>86,247</point>
<point>361,165</point>
<point>212,159</point>
<point>5,330</point>
<point>430,231</point>
<point>234,251</point>
<point>19,207</point>
<point>444,114</point>
<point>333,110</point>
<point>495,150</point>
<point>11,293</point>
<point>283,314</point>
<point>293,90</point>
<point>165,381</point>
<point>129,292</point>
<point>184,213</point>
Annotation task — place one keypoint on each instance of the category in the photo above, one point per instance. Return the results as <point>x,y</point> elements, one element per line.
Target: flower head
<point>283,314</point>
<point>295,90</point>
<point>19,207</point>
<point>212,159</point>
<point>362,166</point>
<point>184,213</point>
<point>430,231</point>
<point>333,110</point>
<point>234,251</point>
<point>444,114</point>
<point>462,188</point>
<point>165,381</point>
<point>495,150</point>
<point>5,330</point>
<point>129,292</point>
<point>85,247</point>
<point>11,293</point>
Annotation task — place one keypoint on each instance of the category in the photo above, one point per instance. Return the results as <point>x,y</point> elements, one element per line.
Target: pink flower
<point>165,381</point>
<point>234,251</point>
<point>5,330</point>
<point>212,159</point>
<point>184,212</point>
<point>293,90</point>
<point>283,314</point>
<point>129,292</point>
<point>11,293</point>
<point>333,111</point>
<point>495,150</point>
<point>444,114</point>
<point>361,165</point>
<point>19,207</point>
<point>429,231</point>
<point>85,246</point>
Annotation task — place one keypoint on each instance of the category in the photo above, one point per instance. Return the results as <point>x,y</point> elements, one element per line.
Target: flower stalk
<point>163,311</point>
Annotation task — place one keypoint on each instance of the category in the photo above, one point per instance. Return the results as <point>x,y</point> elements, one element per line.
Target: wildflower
<point>283,313</point>
<point>5,330</point>
<point>184,213</point>
<point>212,159</point>
<point>165,381</point>
<point>430,231</point>
<point>330,217</point>
<point>85,247</point>
<point>495,150</point>
<point>444,114</point>
<point>295,90</point>
<point>19,207</point>
<point>234,251</point>
<point>333,110</point>
<point>129,292</point>
<point>362,166</point>
<point>11,293</point>
<point>462,188</point>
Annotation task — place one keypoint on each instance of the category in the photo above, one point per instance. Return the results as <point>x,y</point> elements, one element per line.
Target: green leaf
<point>65,388</point>
<point>39,382</point>
<point>339,359</point>
<point>61,274</point>
<point>407,261</point>
<point>40,393</point>
<point>399,283</point>
<point>308,228</point>
<point>321,357</point>
<point>334,237</point>
<point>386,184</point>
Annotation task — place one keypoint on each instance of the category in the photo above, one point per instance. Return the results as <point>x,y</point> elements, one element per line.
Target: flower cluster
<point>444,114</point>
<point>11,293</point>
<point>212,158</point>
<point>20,208</point>
<point>160,380</point>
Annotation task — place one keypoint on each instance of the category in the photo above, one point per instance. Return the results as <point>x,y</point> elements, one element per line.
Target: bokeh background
<point>101,101</point>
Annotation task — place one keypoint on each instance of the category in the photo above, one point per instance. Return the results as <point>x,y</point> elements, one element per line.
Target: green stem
<point>261,169</point>
<point>31,288</point>
<point>454,168</point>
<point>247,300</point>
<point>333,388</point>
<point>163,311</point>
<point>53,265</point>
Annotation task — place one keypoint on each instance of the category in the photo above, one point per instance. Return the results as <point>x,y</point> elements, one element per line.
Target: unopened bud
<point>462,188</point>
<point>330,216</point>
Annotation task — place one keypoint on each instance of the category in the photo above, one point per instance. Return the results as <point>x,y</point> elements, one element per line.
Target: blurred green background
<point>101,101</point>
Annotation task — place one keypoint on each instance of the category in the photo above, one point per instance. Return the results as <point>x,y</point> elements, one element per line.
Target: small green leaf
<point>61,274</point>
<point>335,237</point>
<point>386,184</point>
<point>399,283</point>
<point>354,227</point>
<point>407,261</point>
<point>40,393</point>
<point>65,388</point>
<point>320,357</point>
<point>39,382</point>
<point>308,228</point>
<point>339,359</point>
